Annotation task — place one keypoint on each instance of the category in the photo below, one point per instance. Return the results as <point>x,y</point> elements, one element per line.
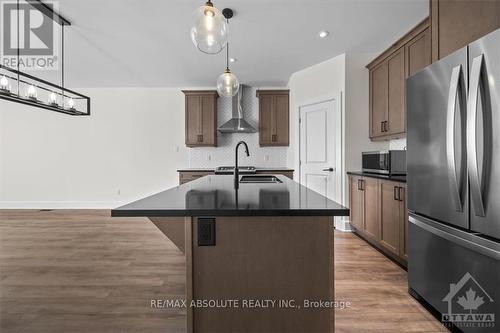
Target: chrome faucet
<point>236,171</point>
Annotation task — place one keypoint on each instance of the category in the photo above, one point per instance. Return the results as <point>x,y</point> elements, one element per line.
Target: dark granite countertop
<point>216,196</point>
<point>263,169</point>
<point>273,169</point>
<point>396,178</point>
<point>196,170</point>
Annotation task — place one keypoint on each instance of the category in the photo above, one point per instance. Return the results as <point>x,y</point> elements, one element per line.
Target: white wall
<point>321,82</point>
<point>130,147</point>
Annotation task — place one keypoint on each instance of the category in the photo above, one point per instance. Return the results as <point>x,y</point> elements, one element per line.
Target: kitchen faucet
<point>236,172</point>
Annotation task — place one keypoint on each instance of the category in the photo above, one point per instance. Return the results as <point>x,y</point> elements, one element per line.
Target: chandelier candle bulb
<point>71,104</point>
<point>53,99</point>
<point>32,93</point>
<point>4,85</point>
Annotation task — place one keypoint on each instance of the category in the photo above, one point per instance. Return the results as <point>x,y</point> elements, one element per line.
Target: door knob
<point>329,169</point>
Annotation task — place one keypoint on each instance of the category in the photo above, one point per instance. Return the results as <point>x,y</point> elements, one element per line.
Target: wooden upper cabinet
<point>395,121</point>
<point>201,118</point>
<point>274,117</point>
<point>456,23</point>
<point>388,73</point>
<point>418,52</point>
<point>378,99</point>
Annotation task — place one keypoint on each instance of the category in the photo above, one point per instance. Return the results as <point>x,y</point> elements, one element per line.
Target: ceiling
<point>135,43</point>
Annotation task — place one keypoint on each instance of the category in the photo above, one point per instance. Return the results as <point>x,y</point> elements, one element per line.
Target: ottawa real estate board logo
<point>29,37</point>
<point>469,305</point>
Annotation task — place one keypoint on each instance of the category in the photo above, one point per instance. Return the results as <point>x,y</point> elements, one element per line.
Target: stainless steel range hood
<point>237,124</point>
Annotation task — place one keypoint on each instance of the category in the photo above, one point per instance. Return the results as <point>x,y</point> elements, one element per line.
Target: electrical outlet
<point>206,231</point>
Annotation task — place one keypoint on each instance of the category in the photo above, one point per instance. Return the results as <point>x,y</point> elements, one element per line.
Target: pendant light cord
<point>227,56</point>
<point>227,50</point>
<point>18,51</point>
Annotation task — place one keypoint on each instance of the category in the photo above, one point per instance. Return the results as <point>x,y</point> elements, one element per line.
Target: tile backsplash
<point>398,144</point>
<point>223,154</point>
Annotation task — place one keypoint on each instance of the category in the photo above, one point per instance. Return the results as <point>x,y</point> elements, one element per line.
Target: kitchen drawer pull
<point>274,138</point>
<point>200,138</point>
<point>396,193</point>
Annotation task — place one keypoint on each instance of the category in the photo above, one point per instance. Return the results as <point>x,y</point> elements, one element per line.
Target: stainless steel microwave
<point>387,162</point>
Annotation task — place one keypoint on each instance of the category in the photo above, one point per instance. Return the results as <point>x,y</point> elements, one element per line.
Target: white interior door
<point>320,149</point>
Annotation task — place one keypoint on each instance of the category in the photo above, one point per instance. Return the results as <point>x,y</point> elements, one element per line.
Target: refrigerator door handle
<point>455,184</point>
<point>472,165</point>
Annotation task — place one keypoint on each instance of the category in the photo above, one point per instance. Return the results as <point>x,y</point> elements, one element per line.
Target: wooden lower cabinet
<point>379,215</point>
<point>389,216</point>
<point>357,202</point>
<point>403,234</point>
<point>370,188</point>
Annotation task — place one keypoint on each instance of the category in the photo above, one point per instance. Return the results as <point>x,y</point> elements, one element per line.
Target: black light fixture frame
<point>17,76</point>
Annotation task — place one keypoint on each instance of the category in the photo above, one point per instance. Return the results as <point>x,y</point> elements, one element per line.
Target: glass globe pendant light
<point>209,31</point>
<point>227,83</point>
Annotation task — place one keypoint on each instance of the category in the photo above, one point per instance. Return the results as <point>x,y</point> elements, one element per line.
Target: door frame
<point>339,149</point>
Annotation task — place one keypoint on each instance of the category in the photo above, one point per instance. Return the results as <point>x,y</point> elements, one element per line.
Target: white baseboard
<point>342,224</point>
<point>60,204</point>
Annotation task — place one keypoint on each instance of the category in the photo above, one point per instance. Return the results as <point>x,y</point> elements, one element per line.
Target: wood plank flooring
<point>83,271</point>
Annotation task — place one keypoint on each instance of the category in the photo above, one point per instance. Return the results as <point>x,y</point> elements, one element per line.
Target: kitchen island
<point>258,259</point>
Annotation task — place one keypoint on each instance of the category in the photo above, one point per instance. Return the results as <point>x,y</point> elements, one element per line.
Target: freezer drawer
<point>457,273</point>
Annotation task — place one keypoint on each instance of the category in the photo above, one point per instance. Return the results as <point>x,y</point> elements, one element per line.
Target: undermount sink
<point>260,179</point>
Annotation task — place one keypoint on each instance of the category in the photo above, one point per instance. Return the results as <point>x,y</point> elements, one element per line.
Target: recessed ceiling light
<point>323,34</point>
<point>233,59</point>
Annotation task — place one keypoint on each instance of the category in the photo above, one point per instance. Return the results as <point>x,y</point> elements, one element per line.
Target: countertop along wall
<point>223,154</point>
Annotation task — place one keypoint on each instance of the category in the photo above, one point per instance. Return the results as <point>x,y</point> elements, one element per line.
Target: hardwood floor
<point>83,271</point>
<point>378,291</point>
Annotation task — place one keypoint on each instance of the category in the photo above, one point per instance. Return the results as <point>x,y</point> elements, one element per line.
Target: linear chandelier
<point>27,89</point>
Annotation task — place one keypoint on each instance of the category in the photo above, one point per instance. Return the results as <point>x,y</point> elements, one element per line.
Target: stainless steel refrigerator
<point>454,186</point>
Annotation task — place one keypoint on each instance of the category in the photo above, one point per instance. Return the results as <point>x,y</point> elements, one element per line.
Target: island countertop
<point>216,196</point>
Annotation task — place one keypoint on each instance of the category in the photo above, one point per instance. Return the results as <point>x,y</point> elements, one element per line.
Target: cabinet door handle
<point>273,138</point>
<point>200,138</point>
<point>362,185</point>
<point>381,126</point>
<point>359,186</point>
<point>386,126</point>
<point>396,193</point>
<point>400,189</point>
